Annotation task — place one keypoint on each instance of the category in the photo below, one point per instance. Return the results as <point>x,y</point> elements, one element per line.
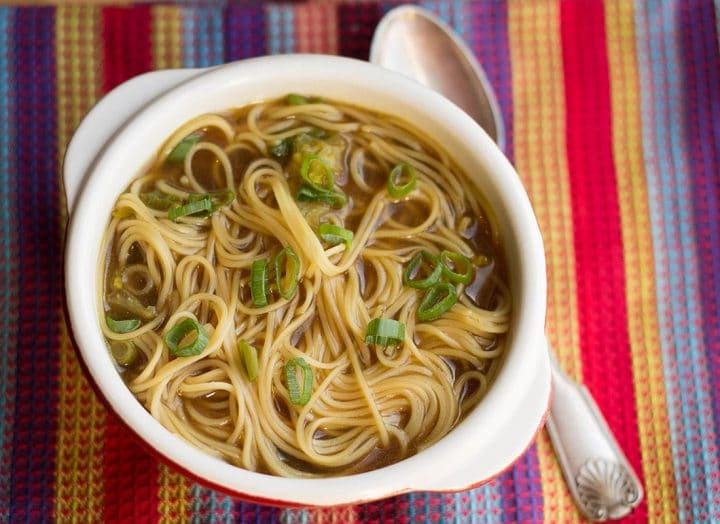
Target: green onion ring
<point>437,300</point>
<point>399,191</point>
<point>384,332</point>
<point>416,261</point>
<point>305,173</point>
<point>335,199</point>
<point>287,259</point>
<point>249,356</point>
<point>181,149</point>
<point>199,206</point>
<point>182,329</point>
<point>334,235</point>
<point>259,282</point>
<point>297,396</point>
<point>450,257</point>
<point>124,352</point>
<point>122,326</point>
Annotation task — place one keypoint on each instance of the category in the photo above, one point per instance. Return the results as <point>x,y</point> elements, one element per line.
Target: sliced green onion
<point>394,187</point>
<point>294,99</point>
<point>183,330</point>
<point>287,272</point>
<point>334,235</point>
<point>203,205</point>
<point>413,269</point>
<point>318,132</point>
<point>181,149</point>
<point>320,178</point>
<point>280,150</point>
<point>384,332</point>
<point>456,267</point>
<point>250,359</point>
<point>259,282</point>
<point>121,299</point>
<point>297,396</point>
<point>122,326</point>
<point>336,199</point>
<point>437,300</point>
<point>158,200</point>
<point>217,199</point>
<point>124,352</point>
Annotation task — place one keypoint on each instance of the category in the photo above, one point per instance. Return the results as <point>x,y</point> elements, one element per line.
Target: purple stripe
<point>701,75</point>
<point>255,513</point>
<point>356,24</point>
<point>245,32</point>
<point>8,260</point>
<point>486,31</point>
<point>40,276</point>
<point>485,26</point>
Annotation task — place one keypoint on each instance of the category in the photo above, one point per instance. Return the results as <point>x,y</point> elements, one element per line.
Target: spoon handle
<point>599,476</point>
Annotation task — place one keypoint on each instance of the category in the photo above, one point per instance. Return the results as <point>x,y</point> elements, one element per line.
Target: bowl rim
<point>383,482</point>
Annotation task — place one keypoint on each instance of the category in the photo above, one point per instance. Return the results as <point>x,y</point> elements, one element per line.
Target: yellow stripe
<point>166,37</point>
<point>540,157</point>
<point>81,418</point>
<point>173,495</point>
<point>653,428</point>
<point>173,487</point>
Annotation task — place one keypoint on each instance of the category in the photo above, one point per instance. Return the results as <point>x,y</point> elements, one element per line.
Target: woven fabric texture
<point>613,116</point>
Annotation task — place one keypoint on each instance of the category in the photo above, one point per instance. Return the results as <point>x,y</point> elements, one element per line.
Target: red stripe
<point>130,473</point>
<point>127,49</point>
<point>602,308</point>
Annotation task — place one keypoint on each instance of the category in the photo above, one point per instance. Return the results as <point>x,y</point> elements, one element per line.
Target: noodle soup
<point>304,288</point>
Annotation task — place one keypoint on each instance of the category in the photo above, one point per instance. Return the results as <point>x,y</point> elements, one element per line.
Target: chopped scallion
<point>203,205</point>
<point>122,326</point>
<point>259,282</point>
<point>180,332</point>
<point>298,396</point>
<point>294,99</point>
<point>437,300</point>
<point>334,235</point>
<point>394,185</point>
<point>124,352</point>
<point>316,173</point>
<point>456,267</point>
<point>384,332</point>
<point>414,268</point>
<point>158,200</point>
<point>287,272</point>
<point>181,149</point>
<point>280,150</point>
<point>335,199</point>
<point>249,356</point>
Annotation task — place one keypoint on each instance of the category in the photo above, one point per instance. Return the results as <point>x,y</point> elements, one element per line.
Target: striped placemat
<point>613,116</point>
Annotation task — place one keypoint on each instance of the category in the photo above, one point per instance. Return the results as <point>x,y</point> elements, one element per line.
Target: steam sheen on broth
<point>304,288</point>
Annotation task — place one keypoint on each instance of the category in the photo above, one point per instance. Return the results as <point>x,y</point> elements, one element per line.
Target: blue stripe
<point>674,243</point>
<point>700,61</point>
<point>280,28</point>
<point>245,32</point>
<point>39,262</point>
<point>8,266</point>
<point>202,30</point>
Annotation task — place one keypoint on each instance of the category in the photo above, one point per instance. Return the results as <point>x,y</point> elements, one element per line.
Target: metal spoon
<point>412,41</point>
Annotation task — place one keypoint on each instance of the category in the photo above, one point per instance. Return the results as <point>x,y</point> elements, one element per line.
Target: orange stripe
<point>539,135</point>
<point>316,28</point>
<point>166,37</point>
<point>653,424</point>
<point>81,417</point>
<point>173,487</point>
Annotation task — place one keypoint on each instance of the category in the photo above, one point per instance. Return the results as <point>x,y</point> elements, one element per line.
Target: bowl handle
<point>107,117</point>
<point>534,403</point>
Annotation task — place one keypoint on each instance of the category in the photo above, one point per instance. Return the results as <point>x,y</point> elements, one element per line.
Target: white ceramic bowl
<point>123,132</point>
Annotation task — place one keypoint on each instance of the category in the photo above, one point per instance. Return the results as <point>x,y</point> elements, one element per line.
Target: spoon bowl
<point>419,45</point>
